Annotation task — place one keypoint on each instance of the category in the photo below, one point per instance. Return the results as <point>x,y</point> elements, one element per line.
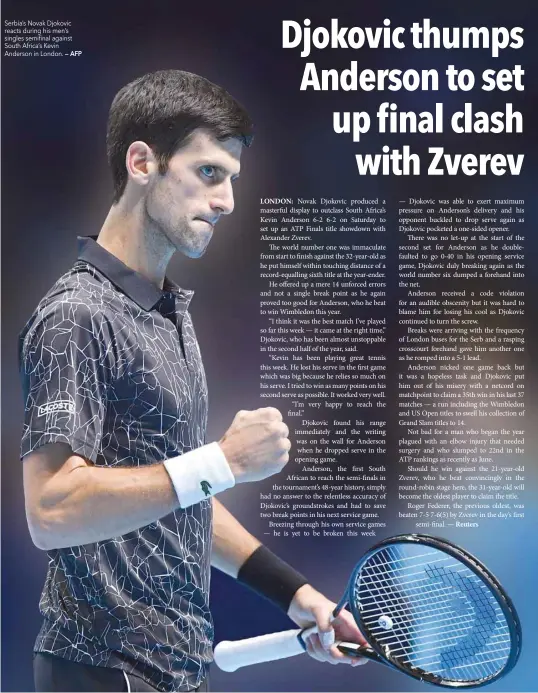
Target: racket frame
<point>478,568</point>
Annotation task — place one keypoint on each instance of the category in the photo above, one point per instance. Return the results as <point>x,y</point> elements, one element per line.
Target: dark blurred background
<point>56,186</point>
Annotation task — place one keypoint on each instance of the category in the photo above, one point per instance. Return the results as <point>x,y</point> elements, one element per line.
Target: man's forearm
<point>88,504</point>
<point>235,549</point>
<point>70,502</point>
<point>232,543</point>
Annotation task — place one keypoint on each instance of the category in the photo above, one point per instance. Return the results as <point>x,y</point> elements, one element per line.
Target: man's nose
<point>223,199</point>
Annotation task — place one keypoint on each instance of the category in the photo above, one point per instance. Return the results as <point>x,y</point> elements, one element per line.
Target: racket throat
<point>351,649</point>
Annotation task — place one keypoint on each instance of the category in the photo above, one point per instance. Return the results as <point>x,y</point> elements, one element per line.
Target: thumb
<point>325,629</point>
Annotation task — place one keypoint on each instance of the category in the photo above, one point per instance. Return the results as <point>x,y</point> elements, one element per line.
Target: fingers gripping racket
<point>426,607</point>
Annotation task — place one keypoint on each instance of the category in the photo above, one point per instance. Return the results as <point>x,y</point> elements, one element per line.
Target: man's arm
<point>232,543</point>
<point>233,546</point>
<point>70,501</point>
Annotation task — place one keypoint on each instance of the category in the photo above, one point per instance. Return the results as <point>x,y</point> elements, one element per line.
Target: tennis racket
<point>426,607</point>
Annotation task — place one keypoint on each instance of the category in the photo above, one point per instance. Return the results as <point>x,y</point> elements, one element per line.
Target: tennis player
<point>119,479</point>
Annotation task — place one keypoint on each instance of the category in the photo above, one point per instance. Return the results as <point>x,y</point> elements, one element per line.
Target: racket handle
<point>230,656</point>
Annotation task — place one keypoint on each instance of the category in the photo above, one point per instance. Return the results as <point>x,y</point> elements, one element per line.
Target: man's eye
<point>208,171</point>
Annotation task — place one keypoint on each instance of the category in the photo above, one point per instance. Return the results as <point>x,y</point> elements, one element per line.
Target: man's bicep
<point>41,468</point>
<point>65,373</point>
<point>44,463</point>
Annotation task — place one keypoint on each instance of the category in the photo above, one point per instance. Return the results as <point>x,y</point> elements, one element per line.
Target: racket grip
<point>230,656</point>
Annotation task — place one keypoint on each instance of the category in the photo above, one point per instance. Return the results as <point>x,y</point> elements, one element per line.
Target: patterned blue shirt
<point>110,365</point>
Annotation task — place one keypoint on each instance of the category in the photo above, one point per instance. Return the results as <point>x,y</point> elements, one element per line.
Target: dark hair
<point>163,109</point>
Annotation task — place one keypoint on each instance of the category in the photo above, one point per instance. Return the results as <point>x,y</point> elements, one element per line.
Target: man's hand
<point>310,607</point>
<point>256,445</point>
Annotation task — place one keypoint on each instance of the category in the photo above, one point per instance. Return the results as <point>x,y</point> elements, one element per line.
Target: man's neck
<point>125,235</point>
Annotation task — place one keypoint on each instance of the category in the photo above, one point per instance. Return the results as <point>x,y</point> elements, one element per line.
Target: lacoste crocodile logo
<point>205,487</point>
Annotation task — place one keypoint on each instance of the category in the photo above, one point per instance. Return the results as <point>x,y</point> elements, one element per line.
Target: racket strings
<point>418,589</point>
<point>434,612</point>
<point>443,618</point>
<point>424,604</point>
<point>458,635</point>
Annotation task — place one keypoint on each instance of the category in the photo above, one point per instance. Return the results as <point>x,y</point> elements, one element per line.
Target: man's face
<point>186,202</point>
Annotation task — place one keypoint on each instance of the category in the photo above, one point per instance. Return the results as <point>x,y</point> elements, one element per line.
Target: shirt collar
<point>140,289</point>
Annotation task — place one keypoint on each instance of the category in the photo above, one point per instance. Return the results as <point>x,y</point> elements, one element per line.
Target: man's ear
<point>140,163</point>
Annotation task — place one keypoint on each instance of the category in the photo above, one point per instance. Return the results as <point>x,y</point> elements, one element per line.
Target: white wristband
<point>199,474</point>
